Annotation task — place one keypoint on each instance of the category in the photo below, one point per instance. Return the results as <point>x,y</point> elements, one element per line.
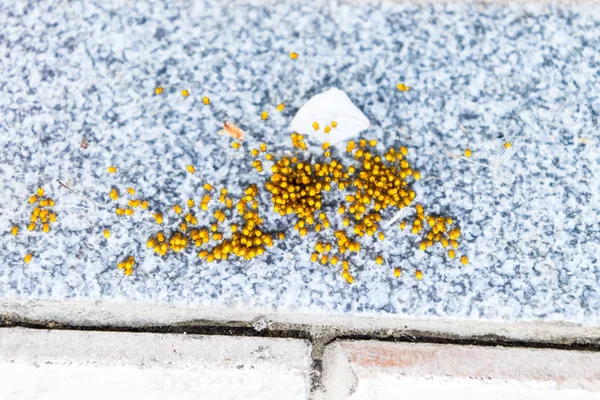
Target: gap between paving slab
<point>153,317</point>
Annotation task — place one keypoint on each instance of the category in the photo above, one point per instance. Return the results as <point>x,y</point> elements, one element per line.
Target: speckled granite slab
<point>481,76</point>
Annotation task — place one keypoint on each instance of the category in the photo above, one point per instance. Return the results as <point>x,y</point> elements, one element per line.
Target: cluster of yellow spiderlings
<point>296,187</point>
<point>439,232</point>
<point>178,242</point>
<point>247,241</point>
<point>158,244</point>
<point>298,141</point>
<point>379,182</point>
<point>41,213</point>
<point>132,204</point>
<point>257,164</point>
<point>378,186</point>
<point>402,87</point>
<point>127,265</point>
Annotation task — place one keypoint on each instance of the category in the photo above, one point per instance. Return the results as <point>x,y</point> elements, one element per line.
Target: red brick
<point>372,369</point>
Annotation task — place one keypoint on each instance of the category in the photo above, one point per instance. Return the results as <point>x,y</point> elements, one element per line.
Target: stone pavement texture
<point>482,76</point>
<point>40,364</point>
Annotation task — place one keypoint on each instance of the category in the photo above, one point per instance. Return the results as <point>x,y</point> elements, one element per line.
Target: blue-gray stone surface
<point>481,76</point>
